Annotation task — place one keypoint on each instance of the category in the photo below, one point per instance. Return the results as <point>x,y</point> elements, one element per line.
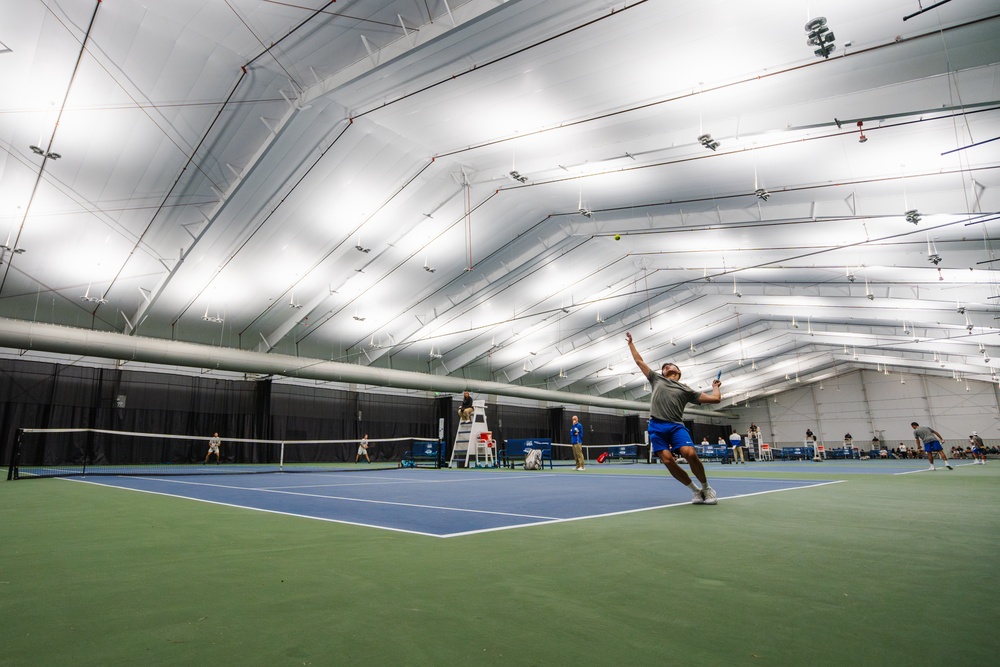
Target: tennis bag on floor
<point>533,459</point>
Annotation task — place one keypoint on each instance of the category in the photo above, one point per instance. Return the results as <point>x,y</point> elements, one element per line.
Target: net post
<point>281,458</point>
<point>88,450</point>
<point>15,457</point>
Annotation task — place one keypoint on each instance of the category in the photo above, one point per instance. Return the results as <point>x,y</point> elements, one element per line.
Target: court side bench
<point>426,452</point>
<point>710,452</point>
<point>516,449</point>
<point>795,453</point>
<point>622,452</point>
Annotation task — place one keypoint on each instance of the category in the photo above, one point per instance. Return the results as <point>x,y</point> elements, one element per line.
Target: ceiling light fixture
<point>215,319</point>
<point>761,192</point>
<point>708,142</point>
<point>6,246</point>
<point>913,216</point>
<point>819,35</point>
<point>97,299</point>
<point>49,154</point>
<point>932,254</point>
<point>517,176</point>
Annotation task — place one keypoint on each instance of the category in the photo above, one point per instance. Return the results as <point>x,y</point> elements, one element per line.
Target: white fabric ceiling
<point>334,181</point>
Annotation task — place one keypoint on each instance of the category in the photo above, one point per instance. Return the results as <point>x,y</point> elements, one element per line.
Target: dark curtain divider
<point>45,395</point>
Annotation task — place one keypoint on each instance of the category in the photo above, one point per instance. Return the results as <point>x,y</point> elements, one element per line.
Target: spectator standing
<point>576,439</point>
<point>737,444</point>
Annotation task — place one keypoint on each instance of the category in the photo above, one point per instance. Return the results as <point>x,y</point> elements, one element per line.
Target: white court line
<point>255,509</point>
<point>345,499</point>
<point>383,481</point>
<point>953,465</point>
<point>541,522</point>
<point>633,511</point>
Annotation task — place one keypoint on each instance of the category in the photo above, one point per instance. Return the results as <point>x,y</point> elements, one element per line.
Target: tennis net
<point>562,454</point>
<point>64,452</point>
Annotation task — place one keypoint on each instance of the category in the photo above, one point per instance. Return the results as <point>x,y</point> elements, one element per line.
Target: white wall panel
<point>866,403</point>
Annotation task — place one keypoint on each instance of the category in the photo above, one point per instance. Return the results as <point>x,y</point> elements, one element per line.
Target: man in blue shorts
<point>931,440</point>
<point>978,449</point>
<point>667,434</point>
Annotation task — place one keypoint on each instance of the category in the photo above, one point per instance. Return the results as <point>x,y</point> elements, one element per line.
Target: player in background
<point>978,449</point>
<point>932,441</point>
<point>213,448</point>
<point>667,434</point>
<point>362,450</point>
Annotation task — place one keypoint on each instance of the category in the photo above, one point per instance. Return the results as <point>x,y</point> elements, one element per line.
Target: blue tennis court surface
<point>447,503</point>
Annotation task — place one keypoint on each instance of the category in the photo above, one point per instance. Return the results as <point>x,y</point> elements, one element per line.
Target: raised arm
<point>636,356</point>
<point>715,396</point>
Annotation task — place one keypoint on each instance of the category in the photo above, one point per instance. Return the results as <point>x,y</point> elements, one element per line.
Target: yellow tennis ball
<point>618,237</point>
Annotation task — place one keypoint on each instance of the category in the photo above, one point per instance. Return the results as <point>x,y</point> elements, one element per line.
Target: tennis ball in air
<point>618,237</point>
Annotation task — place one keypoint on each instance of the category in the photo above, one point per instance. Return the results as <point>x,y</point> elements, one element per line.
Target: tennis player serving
<point>667,434</point>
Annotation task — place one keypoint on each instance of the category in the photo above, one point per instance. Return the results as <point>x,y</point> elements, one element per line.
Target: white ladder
<point>471,448</point>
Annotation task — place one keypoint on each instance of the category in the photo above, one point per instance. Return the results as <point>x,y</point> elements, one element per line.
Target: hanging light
<point>819,35</point>
<point>932,254</point>
<point>708,142</point>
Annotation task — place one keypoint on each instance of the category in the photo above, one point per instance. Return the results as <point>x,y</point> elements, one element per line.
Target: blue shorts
<point>933,446</point>
<point>668,435</point>
<point>977,450</point>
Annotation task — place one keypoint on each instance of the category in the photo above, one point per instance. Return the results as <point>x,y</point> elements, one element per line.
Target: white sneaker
<point>708,493</point>
<point>579,468</point>
<point>932,468</point>
<point>697,498</point>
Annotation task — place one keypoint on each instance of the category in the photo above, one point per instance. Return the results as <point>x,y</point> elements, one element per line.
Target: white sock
<point>694,487</point>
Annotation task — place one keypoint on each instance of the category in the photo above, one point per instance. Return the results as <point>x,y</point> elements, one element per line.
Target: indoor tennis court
<point>395,333</point>
<point>445,503</point>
